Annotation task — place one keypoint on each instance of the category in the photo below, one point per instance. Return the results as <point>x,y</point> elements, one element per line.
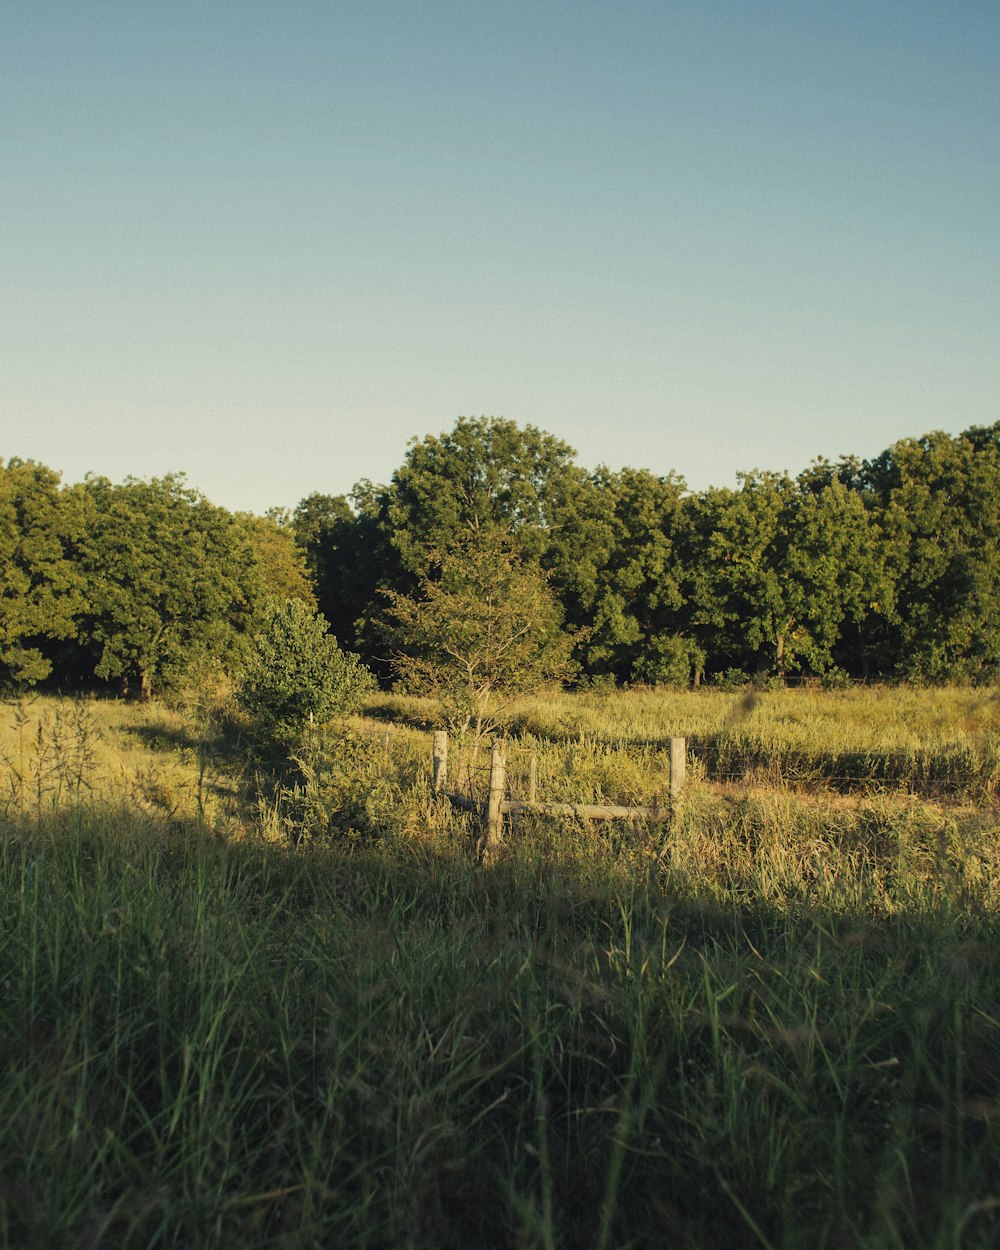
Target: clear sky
<point>267,243</point>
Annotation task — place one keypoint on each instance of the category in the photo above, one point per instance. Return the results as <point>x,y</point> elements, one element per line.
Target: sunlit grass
<point>942,740</point>
<point>770,1022</point>
<point>151,757</point>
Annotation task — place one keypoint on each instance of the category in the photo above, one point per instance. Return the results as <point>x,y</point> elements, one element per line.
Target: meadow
<point>242,1006</point>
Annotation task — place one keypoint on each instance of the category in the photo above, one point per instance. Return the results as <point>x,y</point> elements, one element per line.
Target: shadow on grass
<point>223,740</point>
<point>383,1045</point>
<point>959,770</point>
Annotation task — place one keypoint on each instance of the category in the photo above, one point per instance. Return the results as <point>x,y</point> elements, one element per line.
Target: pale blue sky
<point>267,243</point>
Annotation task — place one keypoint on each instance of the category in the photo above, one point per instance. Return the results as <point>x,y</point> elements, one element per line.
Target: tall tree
<point>284,573</point>
<point>41,585</point>
<point>939,501</point>
<point>492,473</point>
<point>348,552</point>
<point>486,471</point>
<point>172,579</point>
<point>783,565</point>
<point>637,621</point>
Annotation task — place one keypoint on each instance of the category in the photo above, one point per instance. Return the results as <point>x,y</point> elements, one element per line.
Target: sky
<point>267,244</point>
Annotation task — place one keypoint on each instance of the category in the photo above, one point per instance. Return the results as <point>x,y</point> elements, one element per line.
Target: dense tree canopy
<point>784,565</point>
<point>348,557</point>
<point>485,471</point>
<point>281,562</point>
<point>41,581</point>
<point>888,567</point>
<point>635,605</point>
<point>171,578</point>
<point>939,500</point>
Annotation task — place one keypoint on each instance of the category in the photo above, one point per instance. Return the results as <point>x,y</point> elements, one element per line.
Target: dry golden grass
<point>157,759</point>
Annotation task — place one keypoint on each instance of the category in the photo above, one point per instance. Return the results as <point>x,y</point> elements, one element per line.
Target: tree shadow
<point>656,1032</point>
<point>219,740</point>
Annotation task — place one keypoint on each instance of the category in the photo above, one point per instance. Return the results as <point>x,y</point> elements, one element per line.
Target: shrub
<point>731,679</point>
<point>669,660</point>
<point>297,671</point>
<point>835,679</point>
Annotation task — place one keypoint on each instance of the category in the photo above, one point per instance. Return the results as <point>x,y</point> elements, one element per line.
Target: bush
<point>835,679</point>
<point>297,671</point>
<point>669,660</point>
<point>732,679</point>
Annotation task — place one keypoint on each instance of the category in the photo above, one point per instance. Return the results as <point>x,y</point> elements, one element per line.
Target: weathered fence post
<point>440,759</point>
<point>678,767</point>
<point>533,779</point>
<point>494,811</point>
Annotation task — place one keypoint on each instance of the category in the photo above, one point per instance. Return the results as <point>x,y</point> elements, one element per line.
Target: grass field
<point>241,1011</point>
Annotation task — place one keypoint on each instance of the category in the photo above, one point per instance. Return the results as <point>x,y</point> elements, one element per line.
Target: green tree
<point>297,673</point>
<point>783,564</point>
<point>172,580</point>
<point>938,498</point>
<point>348,552</point>
<point>483,626</point>
<point>41,584</point>
<point>492,473</point>
<point>281,563</point>
<point>486,471</point>
<point>638,599</point>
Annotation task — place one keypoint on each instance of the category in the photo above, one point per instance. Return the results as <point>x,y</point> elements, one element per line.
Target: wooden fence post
<point>494,811</point>
<point>440,759</point>
<point>678,767</point>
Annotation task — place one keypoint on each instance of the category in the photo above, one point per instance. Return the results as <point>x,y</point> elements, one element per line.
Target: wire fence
<point>634,772</point>
<point>588,769</point>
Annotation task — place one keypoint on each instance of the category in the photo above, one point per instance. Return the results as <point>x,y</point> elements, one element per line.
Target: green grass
<point>931,741</point>
<point>775,1024</point>
<point>876,739</point>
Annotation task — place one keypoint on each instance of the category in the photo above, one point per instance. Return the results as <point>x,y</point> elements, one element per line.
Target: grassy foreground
<point>777,1024</point>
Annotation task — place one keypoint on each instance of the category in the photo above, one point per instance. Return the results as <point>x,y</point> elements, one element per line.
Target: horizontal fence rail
<point>949,770</point>
<point>720,759</point>
<point>497,804</point>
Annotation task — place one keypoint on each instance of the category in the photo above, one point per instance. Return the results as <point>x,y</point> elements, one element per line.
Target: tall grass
<point>163,761</point>
<point>944,741</point>
<point>773,1024</point>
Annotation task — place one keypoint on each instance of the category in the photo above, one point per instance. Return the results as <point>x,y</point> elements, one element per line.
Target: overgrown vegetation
<point>296,674</point>
<point>226,1021</point>
<point>885,567</point>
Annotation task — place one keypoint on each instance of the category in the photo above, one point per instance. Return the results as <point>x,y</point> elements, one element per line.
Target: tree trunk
<point>148,664</point>
<point>864,655</point>
<point>779,648</point>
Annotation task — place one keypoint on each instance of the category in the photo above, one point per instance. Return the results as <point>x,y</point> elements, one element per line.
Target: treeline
<point>144,584</point>
<point>879,568</point>
<point>888,567</point>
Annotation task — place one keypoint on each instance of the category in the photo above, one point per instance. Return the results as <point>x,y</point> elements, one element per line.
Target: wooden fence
<point>497,805</point>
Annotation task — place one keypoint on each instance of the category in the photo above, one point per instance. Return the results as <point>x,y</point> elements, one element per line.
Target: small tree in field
<point>482,627</point>
<point>297,671</point>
